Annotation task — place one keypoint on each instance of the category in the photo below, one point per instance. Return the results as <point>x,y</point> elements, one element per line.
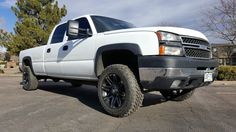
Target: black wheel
<point>177,95</point>
<point>118,91</point>
<point>30,82</point>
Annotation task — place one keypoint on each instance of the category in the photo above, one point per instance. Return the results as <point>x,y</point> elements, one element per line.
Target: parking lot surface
<point>59,107</point>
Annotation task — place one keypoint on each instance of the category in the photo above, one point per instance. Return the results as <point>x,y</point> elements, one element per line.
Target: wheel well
<point>125,57</point>
<point>26,62</point>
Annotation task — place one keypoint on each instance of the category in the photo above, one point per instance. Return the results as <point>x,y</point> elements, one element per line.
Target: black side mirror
<point>73,29</point>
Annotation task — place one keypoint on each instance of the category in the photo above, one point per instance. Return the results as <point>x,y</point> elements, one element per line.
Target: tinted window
<point>103,24</point>
<point>58,34</point>
<point>83,24</point>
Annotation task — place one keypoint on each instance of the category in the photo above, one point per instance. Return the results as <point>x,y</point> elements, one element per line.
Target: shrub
<point>1,71</point>
<point>227,73</point>
<point>3,62</point>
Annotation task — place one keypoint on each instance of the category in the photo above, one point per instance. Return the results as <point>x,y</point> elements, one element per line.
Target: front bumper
<point>168,72</point>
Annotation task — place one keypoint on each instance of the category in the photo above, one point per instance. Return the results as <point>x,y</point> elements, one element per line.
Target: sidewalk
<point>11,75</point>
<point>11,72</point>
<point>224,83</point>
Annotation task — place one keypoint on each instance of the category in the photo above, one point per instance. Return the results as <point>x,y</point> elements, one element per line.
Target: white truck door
<point>51,54</point>
<point>76,55</point>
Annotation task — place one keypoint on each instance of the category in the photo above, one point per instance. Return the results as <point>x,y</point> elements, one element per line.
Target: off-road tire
<point>181,96</point>
<point>132,98</point>
<point>30,82</point>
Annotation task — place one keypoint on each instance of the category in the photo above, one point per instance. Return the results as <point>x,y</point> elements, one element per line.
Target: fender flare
<point>28,58</point>
<point>132,47</point>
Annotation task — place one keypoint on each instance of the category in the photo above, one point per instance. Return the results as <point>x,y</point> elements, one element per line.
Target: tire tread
<point>138,96</point>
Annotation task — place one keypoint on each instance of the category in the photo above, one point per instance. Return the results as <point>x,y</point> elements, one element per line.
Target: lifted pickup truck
<point>122,61</point>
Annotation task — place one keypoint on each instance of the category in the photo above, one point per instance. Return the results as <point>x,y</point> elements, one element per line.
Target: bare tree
<point>223,51</point>
<point>5,37</point>
<point>221,20</point>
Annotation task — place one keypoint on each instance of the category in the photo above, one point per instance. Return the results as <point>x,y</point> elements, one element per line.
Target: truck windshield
<point>104,24</point>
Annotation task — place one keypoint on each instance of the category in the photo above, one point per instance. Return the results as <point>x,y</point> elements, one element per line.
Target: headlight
<point>170,50</point>
<point>169,44</point>
<point>165,36</point>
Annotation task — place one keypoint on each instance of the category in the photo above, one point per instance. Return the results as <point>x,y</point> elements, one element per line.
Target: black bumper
<point>168,72</point>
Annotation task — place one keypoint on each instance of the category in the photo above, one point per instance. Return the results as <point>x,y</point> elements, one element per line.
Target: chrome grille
<point>196,48</point>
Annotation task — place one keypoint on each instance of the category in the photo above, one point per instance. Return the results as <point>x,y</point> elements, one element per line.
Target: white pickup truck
<point>122,61</point>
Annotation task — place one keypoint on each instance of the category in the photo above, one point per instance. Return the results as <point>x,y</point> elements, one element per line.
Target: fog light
<point>175,84</point>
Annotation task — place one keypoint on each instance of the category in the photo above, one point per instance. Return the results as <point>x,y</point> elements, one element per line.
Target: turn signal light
<point>170,50</point>
<point>162,50</point>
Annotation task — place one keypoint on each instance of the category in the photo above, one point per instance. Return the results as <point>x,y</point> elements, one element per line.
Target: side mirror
<point>73,29</point>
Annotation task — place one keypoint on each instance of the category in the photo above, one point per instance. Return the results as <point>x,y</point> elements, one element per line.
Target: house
<point>225,53</point>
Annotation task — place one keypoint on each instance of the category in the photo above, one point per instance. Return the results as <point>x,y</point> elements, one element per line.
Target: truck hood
<point>176,30</point>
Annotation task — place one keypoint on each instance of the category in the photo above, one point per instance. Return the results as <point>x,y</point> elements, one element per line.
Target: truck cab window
<point>83,24</point>
<point>58,34</point>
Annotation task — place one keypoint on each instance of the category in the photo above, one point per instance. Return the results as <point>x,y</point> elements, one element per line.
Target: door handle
<point>48,50</point>
<point>65,48</point>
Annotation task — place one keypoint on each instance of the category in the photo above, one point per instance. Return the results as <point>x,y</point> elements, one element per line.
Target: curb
<point>224,83</point>
<point>10,75</point>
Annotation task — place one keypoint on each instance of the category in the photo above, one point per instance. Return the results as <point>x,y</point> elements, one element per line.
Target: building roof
<point>221,44</point>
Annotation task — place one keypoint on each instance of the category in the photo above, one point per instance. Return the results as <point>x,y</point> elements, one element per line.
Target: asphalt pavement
<point>59,107</point>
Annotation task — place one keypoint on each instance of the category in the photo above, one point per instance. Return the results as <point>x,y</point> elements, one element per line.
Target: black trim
<point>134,48</point>
<point>86,82</point>
<point>175,62</point>
<point>28,58</point>
<point>163,77</point>
<point>162,83</point>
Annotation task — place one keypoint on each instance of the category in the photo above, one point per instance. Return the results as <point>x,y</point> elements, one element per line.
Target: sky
<point>184,13</point>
